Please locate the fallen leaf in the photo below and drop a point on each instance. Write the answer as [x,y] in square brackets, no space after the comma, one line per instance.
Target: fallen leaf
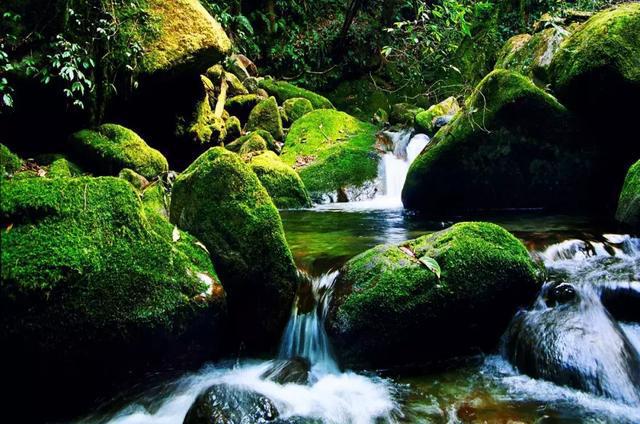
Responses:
[202,246]
[432,264]
[9,227]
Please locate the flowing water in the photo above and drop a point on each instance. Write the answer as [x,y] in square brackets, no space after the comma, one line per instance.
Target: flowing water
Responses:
[480,389]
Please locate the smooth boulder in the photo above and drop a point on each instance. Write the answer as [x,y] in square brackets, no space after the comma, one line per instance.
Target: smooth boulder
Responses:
[221,201]
[513,146]
[390,307]
[109,148]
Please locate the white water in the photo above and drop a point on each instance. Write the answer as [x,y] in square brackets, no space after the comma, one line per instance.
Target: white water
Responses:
[332,397]
[386,191]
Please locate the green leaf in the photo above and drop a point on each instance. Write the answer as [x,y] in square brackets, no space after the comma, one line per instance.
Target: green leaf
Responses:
[432,264]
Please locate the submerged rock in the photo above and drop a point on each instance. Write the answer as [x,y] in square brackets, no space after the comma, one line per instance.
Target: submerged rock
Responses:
[331,151]
[629,203]
[512,147]
[109,148]
[392,308]
[427,121]
[222,202]
[226,404]
[95,287]
[281,181]
[570,339]
[189,39]
[285,371]
[266,116]
[283,90]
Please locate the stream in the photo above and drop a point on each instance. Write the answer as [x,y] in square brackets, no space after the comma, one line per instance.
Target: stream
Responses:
[484,388]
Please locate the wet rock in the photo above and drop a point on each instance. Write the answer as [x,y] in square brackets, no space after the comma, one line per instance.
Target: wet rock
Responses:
[448,293]
[225,404]
[628,211]
[287,371]
[570,339]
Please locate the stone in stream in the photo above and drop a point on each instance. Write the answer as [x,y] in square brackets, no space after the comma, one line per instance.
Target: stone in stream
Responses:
[285,371]
[390,307]
[220,200]
[513,146]
[226,404]
[331,150]
[431,119]
[569,338]
[628,211]
[96,287]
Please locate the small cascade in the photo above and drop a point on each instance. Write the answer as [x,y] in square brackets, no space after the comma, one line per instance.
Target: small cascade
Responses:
[305,335]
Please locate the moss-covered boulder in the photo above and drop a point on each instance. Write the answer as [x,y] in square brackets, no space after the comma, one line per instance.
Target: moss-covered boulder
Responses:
[235,87]
[132,177]
[512,147]
[188,38]
[61,168]
[599,64]
[404,114]
[254,144]
[629,204]
[109,148]
[532,55]
[9,161]
[96,287]
[295,109]
[255,138]
[281,181]
[241,106]
[331,151]
[233,128]
[221,201]
[426,121]
[283,90]
[390,306]
[266,116]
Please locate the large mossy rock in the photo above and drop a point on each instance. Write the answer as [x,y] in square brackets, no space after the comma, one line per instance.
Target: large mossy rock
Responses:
[221,201]
[94,288]
[599,64]
[331,150]
[629,204]
[427,120]
[266,116]
[390,308]
[188,38]
[109,148]
[512,147]
[531,55]
[281,181]
[283,90]
[294,109]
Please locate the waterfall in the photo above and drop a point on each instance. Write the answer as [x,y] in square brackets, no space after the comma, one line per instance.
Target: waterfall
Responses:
[395,163]
[305,335]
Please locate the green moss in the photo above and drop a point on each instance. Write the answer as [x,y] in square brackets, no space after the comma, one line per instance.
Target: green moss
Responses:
[512,147]
[85,272]
[283,90]
[9,162]
[629,203]
[136,180]
[386,298]
[404,113]
[189,38]
[236,88]
[331,150]
[295,109]
[241,106]
[608,42]
[266,116]
[61,168]
[109,148]
[425,120]
[222,202]
[254,144]
[233,127]
[532,55]
[280,180]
